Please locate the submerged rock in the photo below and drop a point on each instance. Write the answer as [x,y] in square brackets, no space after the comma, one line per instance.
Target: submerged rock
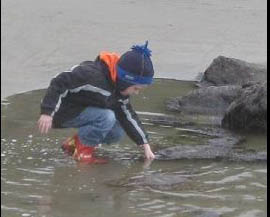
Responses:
[208,152]
[216,148]
[191,152]
[230,71]
[249,111]
[208,100]
[161,181]
[222,145]
[154,180]
[249,156]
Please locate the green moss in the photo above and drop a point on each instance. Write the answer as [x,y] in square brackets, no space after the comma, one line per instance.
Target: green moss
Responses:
[152,98]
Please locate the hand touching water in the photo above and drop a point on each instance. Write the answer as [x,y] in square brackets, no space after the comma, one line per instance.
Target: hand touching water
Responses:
[45,123]
[149,155]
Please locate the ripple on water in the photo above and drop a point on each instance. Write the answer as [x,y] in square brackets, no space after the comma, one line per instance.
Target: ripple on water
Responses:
[157,206]
[192,195]
[251,213]
[261,171]
[24,212]
[259,185]
[214,188]
[17,183]
[40,171]
[233,178]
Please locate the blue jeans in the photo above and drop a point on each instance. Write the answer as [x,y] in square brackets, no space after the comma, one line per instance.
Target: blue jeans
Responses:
[96,126]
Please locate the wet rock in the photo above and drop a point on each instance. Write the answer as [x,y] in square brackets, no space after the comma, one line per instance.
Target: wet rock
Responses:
[249,111]
[158,181]
[208,100]
[208,152]
[217,148]
[172,104]
[238,97]
[248,156]
[221,145]
[191,152]
[230,71]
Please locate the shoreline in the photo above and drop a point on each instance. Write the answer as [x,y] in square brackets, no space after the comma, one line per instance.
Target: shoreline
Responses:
[5,98]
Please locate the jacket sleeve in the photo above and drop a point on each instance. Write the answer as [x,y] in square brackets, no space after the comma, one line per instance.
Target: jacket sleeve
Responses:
[59,88]
[130,122]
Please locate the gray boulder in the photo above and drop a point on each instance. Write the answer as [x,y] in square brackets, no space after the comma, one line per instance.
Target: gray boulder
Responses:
[249,111]
[207,100]
[230,71]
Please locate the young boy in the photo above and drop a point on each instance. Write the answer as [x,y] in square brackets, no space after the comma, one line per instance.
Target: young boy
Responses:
[94,97]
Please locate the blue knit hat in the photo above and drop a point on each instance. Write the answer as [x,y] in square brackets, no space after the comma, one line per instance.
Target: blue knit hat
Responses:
[135,67]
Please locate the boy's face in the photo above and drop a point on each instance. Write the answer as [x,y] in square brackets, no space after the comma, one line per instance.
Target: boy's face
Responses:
[134,89]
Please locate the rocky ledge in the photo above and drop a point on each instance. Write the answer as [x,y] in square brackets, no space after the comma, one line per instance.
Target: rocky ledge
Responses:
[230,88]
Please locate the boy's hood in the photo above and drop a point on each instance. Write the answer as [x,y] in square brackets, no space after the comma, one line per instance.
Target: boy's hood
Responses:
[111,60]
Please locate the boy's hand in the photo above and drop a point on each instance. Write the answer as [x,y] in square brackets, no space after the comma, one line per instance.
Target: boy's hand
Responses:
[149,155]
[45,123]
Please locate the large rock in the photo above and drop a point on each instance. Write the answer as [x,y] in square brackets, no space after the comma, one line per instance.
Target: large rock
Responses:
[218,147]
[212,152]
[224,71]
[249,111]
[207,100]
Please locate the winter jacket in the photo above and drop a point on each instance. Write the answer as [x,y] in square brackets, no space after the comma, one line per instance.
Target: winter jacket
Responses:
[91,83]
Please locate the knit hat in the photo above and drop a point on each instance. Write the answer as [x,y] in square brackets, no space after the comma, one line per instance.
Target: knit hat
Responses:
[135,67]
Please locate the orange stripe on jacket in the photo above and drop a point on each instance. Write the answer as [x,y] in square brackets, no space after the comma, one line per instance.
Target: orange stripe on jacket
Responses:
[111,60]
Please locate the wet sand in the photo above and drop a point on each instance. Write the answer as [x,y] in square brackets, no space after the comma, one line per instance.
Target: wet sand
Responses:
[41,38]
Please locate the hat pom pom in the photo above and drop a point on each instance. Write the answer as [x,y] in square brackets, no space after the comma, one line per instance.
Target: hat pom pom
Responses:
[142,49]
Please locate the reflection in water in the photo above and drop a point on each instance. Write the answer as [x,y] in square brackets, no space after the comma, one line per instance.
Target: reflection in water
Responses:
[38,179]
[53,185]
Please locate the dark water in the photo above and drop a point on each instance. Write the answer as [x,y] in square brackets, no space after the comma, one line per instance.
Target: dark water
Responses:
[37,179]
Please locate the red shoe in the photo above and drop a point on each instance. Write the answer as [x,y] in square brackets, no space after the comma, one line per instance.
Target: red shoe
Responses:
[68,145]
[85,154]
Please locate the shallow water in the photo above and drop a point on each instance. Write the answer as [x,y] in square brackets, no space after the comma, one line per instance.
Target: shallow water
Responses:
[37,179]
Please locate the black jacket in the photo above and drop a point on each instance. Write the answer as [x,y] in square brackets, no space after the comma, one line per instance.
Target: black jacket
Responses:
[89,84]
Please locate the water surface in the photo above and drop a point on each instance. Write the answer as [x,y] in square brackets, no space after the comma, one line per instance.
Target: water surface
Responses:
[38,179]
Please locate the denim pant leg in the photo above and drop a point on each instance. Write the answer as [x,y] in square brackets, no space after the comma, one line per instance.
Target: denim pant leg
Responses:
[115,134]
[94,124]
